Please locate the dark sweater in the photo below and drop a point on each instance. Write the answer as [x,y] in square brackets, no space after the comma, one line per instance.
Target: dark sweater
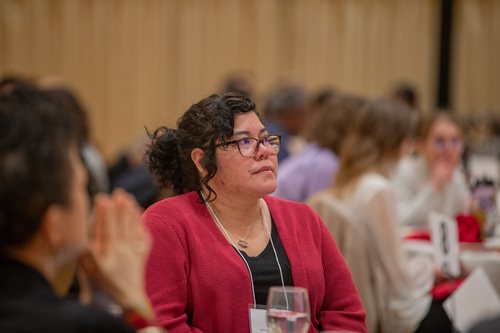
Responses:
[29,304]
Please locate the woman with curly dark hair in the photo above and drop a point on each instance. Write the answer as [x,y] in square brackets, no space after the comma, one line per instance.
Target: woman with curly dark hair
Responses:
[223,241]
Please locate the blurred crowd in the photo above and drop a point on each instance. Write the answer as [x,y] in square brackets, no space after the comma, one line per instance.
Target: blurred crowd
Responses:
[313,126]
[371,168]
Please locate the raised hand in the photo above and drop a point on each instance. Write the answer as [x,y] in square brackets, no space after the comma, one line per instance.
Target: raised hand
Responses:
[441,174]
[118,251]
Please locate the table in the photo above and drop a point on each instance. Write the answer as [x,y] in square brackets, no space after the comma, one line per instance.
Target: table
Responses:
[472,255]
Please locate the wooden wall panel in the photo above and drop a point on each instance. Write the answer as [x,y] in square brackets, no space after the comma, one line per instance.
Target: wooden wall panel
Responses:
[365,46]
[141,63]
[476,65]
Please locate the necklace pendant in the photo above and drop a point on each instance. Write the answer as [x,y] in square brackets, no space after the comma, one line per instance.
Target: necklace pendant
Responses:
[242,244]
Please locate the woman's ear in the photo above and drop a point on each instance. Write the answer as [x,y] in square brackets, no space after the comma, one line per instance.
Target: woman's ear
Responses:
[197,155]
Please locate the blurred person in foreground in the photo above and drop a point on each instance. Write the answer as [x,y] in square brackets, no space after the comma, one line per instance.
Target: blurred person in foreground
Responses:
[313,168]
[223,241]
[44,223]
[68,100]
[92,157]
[395,290]
[432,180]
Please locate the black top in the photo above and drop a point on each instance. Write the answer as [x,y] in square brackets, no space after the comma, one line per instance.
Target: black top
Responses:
[28,305]
[265,270]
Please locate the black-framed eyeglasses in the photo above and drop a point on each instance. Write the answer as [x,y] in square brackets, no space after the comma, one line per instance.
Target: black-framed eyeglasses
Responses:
[248,147]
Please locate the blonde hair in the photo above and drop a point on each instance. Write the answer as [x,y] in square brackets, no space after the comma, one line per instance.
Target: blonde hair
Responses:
[374,140]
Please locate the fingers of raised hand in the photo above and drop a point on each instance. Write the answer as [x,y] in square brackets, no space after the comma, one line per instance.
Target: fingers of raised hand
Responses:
[128,214]
[105,225]
[130,227]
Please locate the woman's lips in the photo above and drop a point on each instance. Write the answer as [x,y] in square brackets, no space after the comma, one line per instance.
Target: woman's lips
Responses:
[265,168]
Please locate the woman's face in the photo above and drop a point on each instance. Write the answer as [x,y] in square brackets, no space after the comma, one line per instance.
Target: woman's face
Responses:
[248,176]
[443,144]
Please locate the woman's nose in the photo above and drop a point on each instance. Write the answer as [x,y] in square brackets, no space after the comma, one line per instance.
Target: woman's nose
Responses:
[262,151]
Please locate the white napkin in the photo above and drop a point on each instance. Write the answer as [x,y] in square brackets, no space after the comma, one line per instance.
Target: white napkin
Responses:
[474,300]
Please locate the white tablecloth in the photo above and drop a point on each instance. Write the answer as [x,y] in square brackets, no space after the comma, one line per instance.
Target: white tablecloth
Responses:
[487,257]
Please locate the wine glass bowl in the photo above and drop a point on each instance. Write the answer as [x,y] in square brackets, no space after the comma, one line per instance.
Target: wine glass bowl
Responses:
[288,310]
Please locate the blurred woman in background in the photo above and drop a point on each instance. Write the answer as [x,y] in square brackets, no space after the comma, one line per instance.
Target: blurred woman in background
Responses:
[394,290]
[313,168]
[431,180]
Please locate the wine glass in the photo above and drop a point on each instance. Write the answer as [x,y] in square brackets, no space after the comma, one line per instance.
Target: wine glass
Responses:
[288,310]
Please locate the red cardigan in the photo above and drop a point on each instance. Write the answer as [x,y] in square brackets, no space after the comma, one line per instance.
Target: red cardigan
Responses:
[198,283]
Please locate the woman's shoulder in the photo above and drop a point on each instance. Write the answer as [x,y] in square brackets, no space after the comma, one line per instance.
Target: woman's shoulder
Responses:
[411,164]
[374,182]
[185,207]
[186,199]
[321,197]
[370,186]
[328,205]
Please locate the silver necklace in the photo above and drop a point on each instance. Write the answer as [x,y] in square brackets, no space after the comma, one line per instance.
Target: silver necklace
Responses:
[242,243]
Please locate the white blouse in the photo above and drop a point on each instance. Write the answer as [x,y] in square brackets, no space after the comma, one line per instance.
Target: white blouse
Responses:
[394,289]
[417,197]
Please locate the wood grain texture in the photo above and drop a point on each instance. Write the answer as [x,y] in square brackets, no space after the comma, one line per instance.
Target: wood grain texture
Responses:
[142,63]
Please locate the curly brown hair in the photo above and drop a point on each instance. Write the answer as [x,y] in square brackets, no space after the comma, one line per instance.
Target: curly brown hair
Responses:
[203,125]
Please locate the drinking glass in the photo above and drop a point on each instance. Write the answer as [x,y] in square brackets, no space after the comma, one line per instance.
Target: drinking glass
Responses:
[288,310]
